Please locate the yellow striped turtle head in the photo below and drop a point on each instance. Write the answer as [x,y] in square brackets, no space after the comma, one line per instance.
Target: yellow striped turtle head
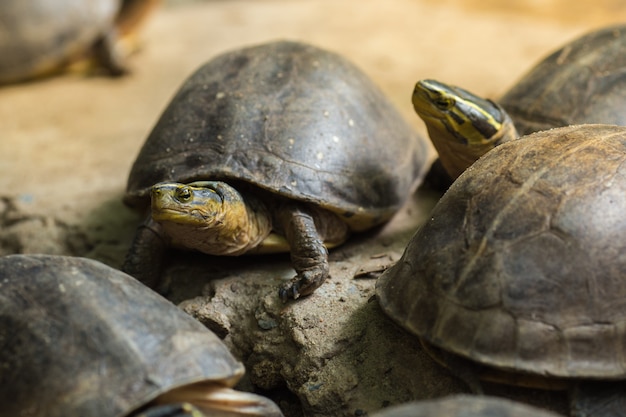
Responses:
[461,125]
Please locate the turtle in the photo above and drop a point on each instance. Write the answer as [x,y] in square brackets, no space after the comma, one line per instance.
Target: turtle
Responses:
[582,82]
[462,405]
[518,275]
[39,38]
[80,338]
[272,147]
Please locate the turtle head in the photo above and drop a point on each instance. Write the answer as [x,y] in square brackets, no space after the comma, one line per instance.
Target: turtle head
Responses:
[208,216]
[461,125]
[470,119]
[199,203]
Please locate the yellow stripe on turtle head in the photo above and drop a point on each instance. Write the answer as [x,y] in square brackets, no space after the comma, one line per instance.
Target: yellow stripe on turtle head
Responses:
[461,125]
[468,118]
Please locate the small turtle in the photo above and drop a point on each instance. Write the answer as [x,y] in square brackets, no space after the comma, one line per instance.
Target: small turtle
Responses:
[582,82]
[518,276]
[463,406]
[39,37]
[79,338]
[276,147]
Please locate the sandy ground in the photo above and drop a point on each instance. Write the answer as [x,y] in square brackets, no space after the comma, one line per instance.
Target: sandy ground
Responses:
[67,143]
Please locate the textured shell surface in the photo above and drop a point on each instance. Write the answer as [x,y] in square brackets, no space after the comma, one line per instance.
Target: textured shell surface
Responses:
[522,263]
[582,82]
[292,119]
[80,338]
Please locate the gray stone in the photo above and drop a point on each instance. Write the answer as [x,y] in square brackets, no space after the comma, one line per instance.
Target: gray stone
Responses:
[335,349]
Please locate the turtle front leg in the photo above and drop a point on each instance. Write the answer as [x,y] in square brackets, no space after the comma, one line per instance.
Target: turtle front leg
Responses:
[108,54]
[306,231]
[144,259]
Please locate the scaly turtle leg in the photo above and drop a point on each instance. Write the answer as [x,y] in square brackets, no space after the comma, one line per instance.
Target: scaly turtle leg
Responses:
[308,231]
[145,256]
[111,51]
[108,54]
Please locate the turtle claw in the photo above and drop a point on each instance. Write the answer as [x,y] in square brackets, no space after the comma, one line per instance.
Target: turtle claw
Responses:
[172,410]
[290,291]
[303,284]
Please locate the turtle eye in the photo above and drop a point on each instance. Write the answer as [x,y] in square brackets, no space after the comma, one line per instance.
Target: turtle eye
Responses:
[183,194]
[443,103]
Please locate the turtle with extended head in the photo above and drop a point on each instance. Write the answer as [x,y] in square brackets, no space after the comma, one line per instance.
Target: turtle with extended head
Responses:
[281,146]
[582,82]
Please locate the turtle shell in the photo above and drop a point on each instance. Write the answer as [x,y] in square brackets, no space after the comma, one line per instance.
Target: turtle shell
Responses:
[292,119]
[522,264]
[39,36]
[464,406]
[582,82]
[79,338]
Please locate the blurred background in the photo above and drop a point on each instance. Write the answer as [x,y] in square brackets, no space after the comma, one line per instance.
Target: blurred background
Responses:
[67,141]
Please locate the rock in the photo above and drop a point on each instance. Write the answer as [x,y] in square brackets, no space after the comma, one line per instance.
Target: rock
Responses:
[333,353]
[335,350]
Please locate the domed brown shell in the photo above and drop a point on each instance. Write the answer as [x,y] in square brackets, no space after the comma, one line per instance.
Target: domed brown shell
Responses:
[292,119]
[522,265]
[582,82]
[463,406]
[79,338]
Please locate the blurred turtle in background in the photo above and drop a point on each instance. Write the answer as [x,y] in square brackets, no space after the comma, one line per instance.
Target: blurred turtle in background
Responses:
[42,37]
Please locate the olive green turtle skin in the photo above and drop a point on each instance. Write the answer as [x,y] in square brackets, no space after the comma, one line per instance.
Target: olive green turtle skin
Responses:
[300,131]
[461,125]
[582,82]
[40,37]
[520,270]
[82,339]
[463,406]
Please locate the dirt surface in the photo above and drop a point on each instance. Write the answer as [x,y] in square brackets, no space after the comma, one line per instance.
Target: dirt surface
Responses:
[67,144]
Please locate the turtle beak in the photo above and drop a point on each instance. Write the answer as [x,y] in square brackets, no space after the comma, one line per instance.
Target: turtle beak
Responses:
[184,203]
[160,192]
[163,201]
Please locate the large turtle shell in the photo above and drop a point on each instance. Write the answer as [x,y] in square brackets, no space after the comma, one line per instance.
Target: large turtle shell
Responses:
[292,119]
[582,82]
[463,406]
[78,338]
[522,265]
